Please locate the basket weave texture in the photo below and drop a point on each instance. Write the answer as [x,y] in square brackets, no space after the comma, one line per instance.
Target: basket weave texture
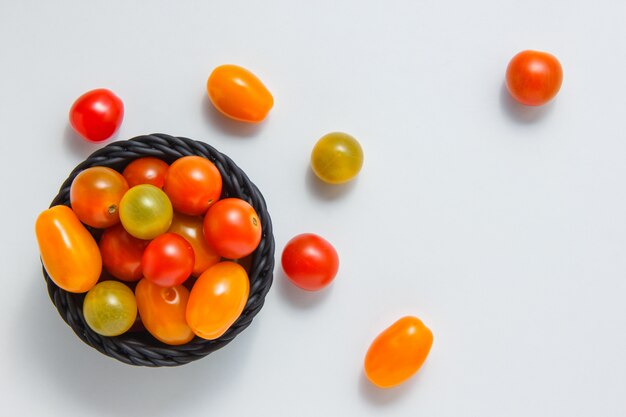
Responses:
[140,348]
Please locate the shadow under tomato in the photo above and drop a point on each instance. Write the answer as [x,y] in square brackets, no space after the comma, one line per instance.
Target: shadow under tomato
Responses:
[226,125]
[325,191]
[80,375]
[383,396]
[298,297]
[82,147]
[519,112]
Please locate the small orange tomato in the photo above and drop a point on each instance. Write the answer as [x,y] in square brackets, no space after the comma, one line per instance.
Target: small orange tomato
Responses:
[533,78]
[68,251]
[193,184]
[147,170]
[95,196]
[239,94]
[190,227]
[162,311]
[217,299]
[398,352]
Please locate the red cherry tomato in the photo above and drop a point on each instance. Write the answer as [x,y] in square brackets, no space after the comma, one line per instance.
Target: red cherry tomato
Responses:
[193,184]
[146,170]
[162,311]
[121,253]
[190,227]
[95,196]
[533,78]
[398,352]
[168,260]
[217,299]
[232,227]
[97,114]
[310,262]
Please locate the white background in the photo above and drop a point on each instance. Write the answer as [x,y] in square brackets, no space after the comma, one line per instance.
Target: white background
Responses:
[503,228]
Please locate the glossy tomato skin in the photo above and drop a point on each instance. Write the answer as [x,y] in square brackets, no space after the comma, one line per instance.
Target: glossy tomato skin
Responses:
[232,227]
[190,227]
[337,158]
[122,253]
[162,311]
[310,262]
[147,170]
[533,78]
[217,299]
[97,114]
[193,184]
[398,352]
[95,196]
[68,251]
[168,260]
[145,211]
[239,94]
[110,308]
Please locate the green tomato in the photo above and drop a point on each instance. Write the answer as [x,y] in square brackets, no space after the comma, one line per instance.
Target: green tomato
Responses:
[145,211]
[337,158]
[110,308]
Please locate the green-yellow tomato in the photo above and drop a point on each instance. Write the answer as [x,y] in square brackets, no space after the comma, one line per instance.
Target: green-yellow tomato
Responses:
[110,308]
[337,158]
[146,212]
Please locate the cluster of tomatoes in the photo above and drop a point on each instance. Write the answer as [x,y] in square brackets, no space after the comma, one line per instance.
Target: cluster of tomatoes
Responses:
[165,232]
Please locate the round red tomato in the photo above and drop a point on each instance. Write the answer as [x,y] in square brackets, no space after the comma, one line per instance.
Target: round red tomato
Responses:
[97,114]
[146,170]
[232,227]
[121,253]
[193,184]
[533,78]
[310,262]
[168,260]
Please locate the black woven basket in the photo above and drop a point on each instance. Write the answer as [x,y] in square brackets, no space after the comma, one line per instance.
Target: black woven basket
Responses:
[140,348]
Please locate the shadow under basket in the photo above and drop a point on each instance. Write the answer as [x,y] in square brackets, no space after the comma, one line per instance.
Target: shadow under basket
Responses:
[140,348]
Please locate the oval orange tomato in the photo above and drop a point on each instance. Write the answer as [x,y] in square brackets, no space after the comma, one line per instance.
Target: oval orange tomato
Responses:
[217,299]
[239,94]
[68,251]
[398,352]
[95,196]
[162,311]
[190,227]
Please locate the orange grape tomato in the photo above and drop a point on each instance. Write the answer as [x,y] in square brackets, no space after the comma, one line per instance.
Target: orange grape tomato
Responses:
[69,252]
[217,299]
[95,196]
[533,78]
[232,227]
[398,352]
[239,94]
[162,311]
[110,308]
[121,253]
[193,184]
[147,170]
[190,227]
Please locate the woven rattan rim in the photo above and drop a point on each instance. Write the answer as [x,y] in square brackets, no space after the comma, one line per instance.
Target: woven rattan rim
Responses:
[140,348]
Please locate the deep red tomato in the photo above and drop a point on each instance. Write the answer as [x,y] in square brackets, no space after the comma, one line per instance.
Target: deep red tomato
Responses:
[310,262]
[232,227]
[121,253]
[168,260]
[97,114]
[193,184]
[95,196]
[146,170]
[533,78]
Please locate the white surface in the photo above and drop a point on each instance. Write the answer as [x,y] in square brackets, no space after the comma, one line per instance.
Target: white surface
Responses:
[503,228]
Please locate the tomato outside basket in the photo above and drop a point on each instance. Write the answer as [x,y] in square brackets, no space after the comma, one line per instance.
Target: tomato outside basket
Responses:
[140,348]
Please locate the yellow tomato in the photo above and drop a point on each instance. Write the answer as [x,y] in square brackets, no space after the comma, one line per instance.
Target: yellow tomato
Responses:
[68,251]
[110,308]
[146,211]
[337,158]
